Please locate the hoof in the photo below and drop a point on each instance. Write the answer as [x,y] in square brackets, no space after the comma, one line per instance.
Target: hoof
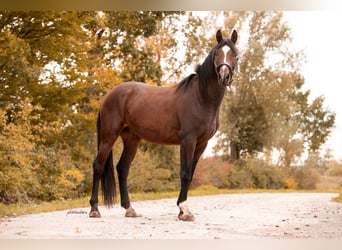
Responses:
[186,217]
[94,214]
[130,212]
[184,213]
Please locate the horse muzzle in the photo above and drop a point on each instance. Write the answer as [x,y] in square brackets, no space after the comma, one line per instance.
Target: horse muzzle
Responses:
[224,74]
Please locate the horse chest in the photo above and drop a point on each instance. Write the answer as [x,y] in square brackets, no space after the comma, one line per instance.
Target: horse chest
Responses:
[209,129]
[202,127]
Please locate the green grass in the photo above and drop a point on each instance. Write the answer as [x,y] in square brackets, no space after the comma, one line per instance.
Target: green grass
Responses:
[21,208]
[338,198]
[28,208]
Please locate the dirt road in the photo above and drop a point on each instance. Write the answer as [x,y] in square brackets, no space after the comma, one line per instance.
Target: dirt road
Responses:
[233,216]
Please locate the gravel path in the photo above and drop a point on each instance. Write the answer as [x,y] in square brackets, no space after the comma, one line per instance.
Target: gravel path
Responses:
[231,216]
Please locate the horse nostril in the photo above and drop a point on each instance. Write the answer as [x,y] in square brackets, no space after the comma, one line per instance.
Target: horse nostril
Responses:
[227,78]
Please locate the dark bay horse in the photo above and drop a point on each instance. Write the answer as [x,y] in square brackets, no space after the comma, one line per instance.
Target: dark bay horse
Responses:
[186,114]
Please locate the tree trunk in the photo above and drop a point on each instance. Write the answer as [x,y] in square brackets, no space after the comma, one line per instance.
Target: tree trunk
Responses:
[234,151]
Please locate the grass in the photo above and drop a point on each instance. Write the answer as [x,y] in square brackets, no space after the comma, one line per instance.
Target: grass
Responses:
[21,208]
[338,198]
[28,208]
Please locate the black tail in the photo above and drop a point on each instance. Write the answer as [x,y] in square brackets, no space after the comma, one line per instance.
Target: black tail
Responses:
[108,178]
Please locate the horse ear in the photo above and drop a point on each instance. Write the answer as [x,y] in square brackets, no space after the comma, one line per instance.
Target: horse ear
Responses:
[219,36]
[234,36]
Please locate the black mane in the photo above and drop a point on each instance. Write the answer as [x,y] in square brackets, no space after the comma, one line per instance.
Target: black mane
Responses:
[186,82]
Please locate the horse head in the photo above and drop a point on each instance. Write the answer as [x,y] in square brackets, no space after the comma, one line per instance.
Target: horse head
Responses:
[225,58]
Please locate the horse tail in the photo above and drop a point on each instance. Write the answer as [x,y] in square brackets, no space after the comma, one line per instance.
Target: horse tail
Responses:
[107,179]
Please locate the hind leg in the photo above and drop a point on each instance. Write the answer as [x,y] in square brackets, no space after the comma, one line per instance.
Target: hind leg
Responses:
[131,142]
[98,170]
[107,135]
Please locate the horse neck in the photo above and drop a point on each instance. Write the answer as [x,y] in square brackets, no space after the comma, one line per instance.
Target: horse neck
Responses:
[210,90]
[212,94]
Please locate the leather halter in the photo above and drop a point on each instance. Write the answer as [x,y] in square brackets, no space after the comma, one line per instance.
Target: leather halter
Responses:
[231,72]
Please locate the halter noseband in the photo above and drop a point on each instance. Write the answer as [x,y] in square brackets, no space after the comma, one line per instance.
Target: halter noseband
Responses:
[231,72]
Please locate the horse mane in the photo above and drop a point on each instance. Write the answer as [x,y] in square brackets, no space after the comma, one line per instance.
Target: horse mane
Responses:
[186,82]
[206,70]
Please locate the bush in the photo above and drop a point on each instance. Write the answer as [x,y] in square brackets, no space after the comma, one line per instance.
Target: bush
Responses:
[290,183]
[334,169]
[146,175]
[338,198]
[307,178]
[255,173]
[211,171]
[240,177]
[31,169]
[16,162]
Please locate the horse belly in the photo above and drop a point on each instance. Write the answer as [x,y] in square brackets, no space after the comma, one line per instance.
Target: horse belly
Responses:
[157,131]
[154,122]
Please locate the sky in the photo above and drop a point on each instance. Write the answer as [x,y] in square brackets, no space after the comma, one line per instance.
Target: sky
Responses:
[319,34]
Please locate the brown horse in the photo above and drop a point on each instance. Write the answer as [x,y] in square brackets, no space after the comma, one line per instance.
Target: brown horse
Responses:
[186,114]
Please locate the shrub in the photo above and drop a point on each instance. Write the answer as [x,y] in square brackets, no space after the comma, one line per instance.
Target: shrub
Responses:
[338,198]
[290,183]
[146,175]
[334,169]
[307,178]
[240,178]
[255,173]
[211,171]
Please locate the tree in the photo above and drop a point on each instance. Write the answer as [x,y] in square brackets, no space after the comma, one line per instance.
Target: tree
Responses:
[55,66]
[317,122]
[268,108]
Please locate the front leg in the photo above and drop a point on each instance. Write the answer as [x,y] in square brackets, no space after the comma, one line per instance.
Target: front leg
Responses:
[187,154]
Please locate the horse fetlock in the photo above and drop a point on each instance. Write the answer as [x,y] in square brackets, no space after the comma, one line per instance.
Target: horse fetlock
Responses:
[94,214]
[130,212]
[184,213]
[186,217]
